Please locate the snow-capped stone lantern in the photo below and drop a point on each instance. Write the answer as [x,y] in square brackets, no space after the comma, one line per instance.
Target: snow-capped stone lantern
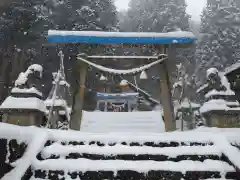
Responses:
[24,106]
[221,108]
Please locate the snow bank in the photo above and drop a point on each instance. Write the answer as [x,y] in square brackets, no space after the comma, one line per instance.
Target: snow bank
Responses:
[34,137]
[21,134]
[228,150]
[202,134]
[34,147]
[30,103]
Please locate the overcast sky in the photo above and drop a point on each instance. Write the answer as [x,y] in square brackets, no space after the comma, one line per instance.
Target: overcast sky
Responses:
[194,7]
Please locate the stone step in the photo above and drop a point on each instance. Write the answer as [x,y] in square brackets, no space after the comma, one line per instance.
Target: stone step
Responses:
[86,169]
[133,153]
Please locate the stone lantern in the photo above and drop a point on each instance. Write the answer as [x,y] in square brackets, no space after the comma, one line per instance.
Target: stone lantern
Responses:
[25,106]
[221,108]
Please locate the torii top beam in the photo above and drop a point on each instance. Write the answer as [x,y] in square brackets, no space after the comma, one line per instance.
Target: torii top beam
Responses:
[116,38]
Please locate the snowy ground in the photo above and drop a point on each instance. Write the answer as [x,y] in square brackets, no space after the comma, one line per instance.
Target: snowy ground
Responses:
[150,122]
[36,139]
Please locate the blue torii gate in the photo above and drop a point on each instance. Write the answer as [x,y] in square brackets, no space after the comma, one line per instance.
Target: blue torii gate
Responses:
[162,42]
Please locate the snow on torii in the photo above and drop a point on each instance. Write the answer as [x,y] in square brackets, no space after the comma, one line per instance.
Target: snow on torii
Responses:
[163,42]
[99,37]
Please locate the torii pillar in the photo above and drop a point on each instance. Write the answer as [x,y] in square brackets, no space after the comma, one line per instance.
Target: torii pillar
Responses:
[165,92]
[77,112]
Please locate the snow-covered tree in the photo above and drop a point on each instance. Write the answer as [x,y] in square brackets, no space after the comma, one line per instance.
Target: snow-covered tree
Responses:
[16,17]
[160,16]
[156,16]
[24,25]
[220,42]
[83,15]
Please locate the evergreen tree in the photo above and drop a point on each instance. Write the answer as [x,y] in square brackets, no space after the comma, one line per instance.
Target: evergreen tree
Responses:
[16,18]
[83,15]
[24,27]
[157,16]
[161,16]
[220,43]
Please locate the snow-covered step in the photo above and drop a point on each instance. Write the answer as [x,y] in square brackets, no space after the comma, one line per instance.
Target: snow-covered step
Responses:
[118,169]
[139,143]
[59,150]
[132,162]
[84,165]
[121,156]
[133,139]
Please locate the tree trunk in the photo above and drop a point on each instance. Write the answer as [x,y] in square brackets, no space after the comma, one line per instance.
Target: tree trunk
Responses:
[3,74]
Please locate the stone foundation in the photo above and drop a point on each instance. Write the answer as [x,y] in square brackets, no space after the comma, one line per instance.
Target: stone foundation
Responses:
[23,119]
[223,120]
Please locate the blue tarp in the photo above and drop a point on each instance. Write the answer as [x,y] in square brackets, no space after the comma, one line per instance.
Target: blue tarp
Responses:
[120,38]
